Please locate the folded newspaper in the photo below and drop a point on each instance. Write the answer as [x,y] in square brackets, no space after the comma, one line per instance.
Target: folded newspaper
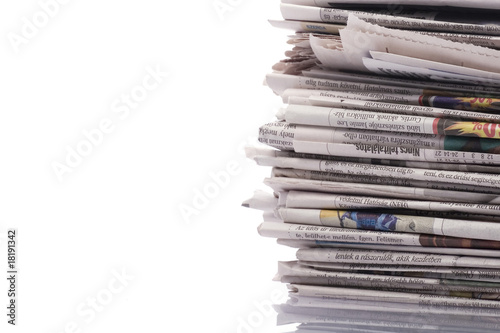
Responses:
[384,166]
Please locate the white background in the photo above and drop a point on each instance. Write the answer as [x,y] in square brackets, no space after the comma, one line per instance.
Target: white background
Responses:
[118,210]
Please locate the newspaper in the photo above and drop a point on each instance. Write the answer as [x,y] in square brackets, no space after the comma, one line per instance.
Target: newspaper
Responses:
[393,69]
[281,135]
[341,54]
[475,180]
[395,284]
[385,121]
[462,89]
[253,151]
[255,202]
[372,220]
[426,23]
[450,215]
[296,187]
[379,151]
[280,82]
[416,105]
[354,256]
[448,273]
[459,72]
[474,39]
[409,309]
[317,200]
[331,54]
[330,234]
[330,28]
[389,296]
[408,43]
[367,179]
[293,271]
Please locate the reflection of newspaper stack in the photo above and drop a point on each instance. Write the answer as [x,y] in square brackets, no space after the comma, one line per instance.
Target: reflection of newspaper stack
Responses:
[385,166]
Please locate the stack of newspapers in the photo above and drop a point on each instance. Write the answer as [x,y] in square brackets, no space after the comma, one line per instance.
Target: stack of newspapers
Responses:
[386,165]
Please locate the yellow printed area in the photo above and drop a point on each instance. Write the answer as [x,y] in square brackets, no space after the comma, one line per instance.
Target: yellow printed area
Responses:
[481,103]
[329,215]
[482,130]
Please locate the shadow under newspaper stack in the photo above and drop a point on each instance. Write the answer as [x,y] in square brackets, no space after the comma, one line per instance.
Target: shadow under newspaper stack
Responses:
[385,166]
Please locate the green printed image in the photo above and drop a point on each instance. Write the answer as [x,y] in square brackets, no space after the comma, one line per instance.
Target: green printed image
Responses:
[480,145]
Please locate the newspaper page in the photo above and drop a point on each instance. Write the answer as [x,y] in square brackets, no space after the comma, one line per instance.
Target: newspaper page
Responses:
[366,179]
[281,135]
[391,307]
[294,271]
[389,296]
[412,44]
[364,169]
[398,284]
[253,151]
[385,121]
[393,69]
[448,273]
[321,72]
[317,200]
[330,28]
[407,44]
[379,151]
[372,220]
[280,82]
[450,107]
[294,186]
[474,39]
[375,257]
[470,74]
[423,21]
[364,144]
[339,57]
[330,234]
